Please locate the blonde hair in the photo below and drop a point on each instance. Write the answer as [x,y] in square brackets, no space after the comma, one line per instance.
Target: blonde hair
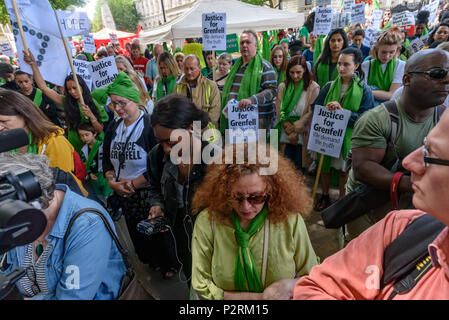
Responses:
[144,97]
[171,63]
[389,38]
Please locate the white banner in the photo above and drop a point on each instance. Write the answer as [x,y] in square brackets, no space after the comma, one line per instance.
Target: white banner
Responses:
[328,131]
[323,20]
[6,49]
[358,13]
[43,39]
[82,70]
[371,36]
[415,46]
[376,18]
[347,5]
[214,31]
[432,8]
[103,72]
[320,3]
[113,37]
[89,44]
[341,20]
[243,123]
[402,19]
[73,22]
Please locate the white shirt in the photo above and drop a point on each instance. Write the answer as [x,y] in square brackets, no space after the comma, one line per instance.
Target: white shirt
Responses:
[397,74]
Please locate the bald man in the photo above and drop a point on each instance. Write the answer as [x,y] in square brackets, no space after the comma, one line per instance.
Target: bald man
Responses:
[426,85]
[203,92]
[152,72]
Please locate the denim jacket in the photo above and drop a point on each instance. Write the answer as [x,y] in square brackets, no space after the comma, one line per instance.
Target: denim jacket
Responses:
[91,266]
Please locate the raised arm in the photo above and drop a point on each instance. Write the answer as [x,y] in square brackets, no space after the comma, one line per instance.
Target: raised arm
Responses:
[53,95]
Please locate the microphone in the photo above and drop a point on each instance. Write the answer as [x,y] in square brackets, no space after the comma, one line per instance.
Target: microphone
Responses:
[13,139]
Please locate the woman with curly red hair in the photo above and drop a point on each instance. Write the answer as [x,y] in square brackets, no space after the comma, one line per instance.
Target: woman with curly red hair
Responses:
[250,240]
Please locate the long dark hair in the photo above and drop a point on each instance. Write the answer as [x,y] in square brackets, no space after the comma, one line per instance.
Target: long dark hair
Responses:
[72,113]
[310,22]
[298,61]
[177,112]
[16,104]
[325,56]
[431,40]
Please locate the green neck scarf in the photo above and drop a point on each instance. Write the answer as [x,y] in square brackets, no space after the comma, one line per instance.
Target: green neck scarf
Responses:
[249,86]
[266,46]
[351,101]
[291,95]
[169,82]
[246,277]
[37,98]
[280,76]
[93,152]
[318,47]
[323,74]
[32,148]
[381,80]
[426,31]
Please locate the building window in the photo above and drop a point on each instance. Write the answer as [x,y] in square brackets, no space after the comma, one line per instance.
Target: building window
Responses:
[308,2]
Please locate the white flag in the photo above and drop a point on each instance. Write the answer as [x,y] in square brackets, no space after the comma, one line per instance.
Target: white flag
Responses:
[43,39]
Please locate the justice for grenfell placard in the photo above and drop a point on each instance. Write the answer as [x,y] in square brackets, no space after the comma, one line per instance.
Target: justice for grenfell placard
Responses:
[214,31]
[328,131]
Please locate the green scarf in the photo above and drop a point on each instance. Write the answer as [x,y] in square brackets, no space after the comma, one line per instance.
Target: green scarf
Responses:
[170,82]
[249,86]
[37,98]
[32,148]
[318,47]
[426,31]
[351,101]
[280,76]
[378,78]
[93,152]
[323,74]
[266,46]
[246,277]
[291,95]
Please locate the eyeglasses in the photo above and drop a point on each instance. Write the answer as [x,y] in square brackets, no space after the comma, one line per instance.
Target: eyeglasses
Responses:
[428,160]
[253,199]
[434,73]
[121,104]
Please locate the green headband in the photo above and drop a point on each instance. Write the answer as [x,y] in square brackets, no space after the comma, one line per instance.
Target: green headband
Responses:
[122,86]
[284,41]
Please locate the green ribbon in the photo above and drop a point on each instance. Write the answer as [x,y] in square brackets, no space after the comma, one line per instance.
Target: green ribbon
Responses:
[249,86]
[171,83]
[323,74]
[290,97]
[380,79]
[246,277]
[351,101]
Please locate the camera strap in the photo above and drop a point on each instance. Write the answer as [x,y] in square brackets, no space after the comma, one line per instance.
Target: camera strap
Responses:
[121,156]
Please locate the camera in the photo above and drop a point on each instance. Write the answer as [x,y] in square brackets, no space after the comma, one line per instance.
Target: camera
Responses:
[152,226]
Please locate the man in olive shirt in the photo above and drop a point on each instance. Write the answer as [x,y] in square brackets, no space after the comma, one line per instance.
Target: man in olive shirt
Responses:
[373,157]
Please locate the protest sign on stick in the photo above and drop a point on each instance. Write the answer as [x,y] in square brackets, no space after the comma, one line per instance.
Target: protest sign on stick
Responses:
[113,37]
[19,22]
[347,5]
[376,18]
[6,49]
[103,72]
[323,20]
[214,31]
[73,22]
[327,134]
[89,44]
[371,36]
[82,70]
[405,20]
[358,13]
[341,20]
[243,122]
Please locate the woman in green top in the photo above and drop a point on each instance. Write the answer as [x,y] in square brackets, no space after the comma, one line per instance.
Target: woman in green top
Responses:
[325,68]
[250,240]
[75,113]
[168,76]
[306,29]
[348,92]
[279,62]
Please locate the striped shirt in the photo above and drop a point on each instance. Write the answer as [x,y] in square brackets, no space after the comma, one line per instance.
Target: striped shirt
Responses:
[263,99]
[34,282]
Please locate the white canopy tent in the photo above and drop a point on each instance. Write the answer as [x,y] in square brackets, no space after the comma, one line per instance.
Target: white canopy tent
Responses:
[240,16]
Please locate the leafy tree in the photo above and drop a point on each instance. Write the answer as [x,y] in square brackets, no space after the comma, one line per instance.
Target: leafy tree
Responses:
[56,4]
[124,13]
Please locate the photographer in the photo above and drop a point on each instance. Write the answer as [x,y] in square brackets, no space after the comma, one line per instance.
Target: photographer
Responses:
[127,141]
[86,266]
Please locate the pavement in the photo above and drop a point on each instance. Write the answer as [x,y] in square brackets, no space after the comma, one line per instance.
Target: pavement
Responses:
[324,242]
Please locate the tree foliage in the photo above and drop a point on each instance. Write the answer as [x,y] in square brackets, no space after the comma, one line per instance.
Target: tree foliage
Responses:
[56,4]
[124,13]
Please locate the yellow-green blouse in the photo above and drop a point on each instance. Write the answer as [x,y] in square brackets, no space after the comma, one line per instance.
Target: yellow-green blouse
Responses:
[290,254]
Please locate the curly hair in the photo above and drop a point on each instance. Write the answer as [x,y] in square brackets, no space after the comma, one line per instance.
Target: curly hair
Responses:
[287,193]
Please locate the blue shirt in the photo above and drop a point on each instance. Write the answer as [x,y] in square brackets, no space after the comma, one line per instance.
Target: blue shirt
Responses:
[91,268]
[152,71]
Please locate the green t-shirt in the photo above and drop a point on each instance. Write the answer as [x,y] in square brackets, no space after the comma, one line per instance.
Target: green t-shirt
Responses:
[373,129]
[303,32]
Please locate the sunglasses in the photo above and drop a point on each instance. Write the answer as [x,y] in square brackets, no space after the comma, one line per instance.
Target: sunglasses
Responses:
[434,73]
[253,199]
[428,160]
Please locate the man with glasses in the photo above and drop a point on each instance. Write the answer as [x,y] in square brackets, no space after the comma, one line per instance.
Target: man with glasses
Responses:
[375,152]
